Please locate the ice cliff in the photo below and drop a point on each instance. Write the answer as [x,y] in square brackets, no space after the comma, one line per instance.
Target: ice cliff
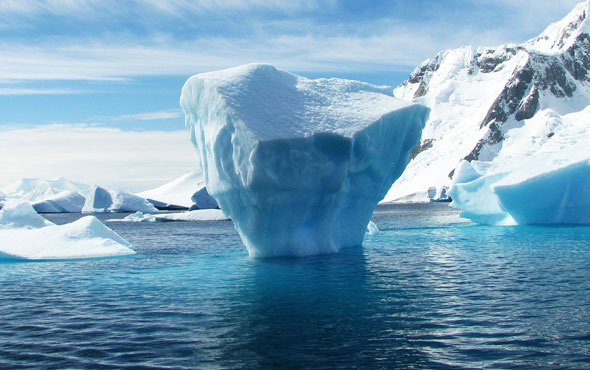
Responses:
[500,107]
[297,164]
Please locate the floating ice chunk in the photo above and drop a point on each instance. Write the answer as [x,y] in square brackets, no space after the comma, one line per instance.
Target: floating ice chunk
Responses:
[372,228]
[100,199]
[197,215]
[298,164]
[138,217]
[66,201]
[26,235]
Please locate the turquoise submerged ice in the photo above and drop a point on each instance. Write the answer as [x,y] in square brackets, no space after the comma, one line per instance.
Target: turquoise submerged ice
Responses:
[299,165]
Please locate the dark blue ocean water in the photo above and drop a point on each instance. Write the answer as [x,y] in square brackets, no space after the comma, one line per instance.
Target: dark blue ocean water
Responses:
[430,291]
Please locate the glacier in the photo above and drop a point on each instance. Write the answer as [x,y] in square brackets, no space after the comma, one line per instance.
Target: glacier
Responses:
[298,164]
[25,235]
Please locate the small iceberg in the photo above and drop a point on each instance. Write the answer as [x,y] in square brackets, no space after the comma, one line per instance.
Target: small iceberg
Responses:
[25,235]
[542,190]
[102,200]
[372,228]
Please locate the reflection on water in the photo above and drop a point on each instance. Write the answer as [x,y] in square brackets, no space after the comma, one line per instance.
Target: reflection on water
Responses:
[429,291]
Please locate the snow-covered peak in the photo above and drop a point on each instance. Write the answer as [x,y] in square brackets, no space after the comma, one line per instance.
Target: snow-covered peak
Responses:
[561,35]
[478,95]
[305,106]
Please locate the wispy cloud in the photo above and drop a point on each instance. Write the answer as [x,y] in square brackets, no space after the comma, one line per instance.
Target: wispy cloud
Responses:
[186,37]
[149,116]
[25,91]
[110,157]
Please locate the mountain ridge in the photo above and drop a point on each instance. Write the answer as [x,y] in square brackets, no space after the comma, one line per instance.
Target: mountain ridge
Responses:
[478,95]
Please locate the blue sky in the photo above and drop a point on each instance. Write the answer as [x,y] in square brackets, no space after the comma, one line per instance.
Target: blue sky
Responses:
[121,64]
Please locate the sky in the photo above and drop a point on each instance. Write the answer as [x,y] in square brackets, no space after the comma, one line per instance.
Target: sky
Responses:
[89,89]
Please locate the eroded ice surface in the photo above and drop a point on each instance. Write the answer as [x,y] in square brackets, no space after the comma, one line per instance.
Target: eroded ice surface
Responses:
[298,164]
[24,234]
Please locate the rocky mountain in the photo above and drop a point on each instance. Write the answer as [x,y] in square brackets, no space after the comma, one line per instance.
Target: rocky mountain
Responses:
[489,103]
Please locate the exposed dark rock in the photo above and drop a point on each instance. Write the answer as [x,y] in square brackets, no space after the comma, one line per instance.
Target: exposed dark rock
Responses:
[424,145]
[509,99]
[528,107]
[489,60]
[577,58]
[554,76]
[493,136]
[422,74]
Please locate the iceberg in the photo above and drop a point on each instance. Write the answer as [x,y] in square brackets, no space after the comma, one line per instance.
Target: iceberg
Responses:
[298,164]
[544,189]
[202,200]
[102,200]
[65,202]
[25,235]
[556,197]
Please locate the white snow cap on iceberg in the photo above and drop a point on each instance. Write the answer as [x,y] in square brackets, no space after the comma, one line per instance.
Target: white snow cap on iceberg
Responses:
[298,164]
[26,235]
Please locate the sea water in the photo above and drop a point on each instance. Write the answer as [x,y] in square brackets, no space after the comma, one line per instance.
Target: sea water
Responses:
[430,290]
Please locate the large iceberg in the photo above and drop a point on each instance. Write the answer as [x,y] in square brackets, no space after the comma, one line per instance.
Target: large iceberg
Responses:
[24,234]
[298,164]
